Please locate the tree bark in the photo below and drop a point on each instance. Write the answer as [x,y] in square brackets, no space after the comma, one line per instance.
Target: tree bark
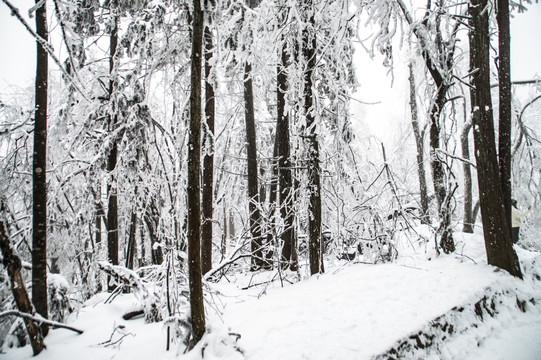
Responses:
[315,243]
[194,178]
[419,143]
[498,241]
[253,189]
[132,245]
[258,260]
[208,159]
[504,81]
[438,170]
[39,174]
[18,288]
[284,165]
[112,208]
[469,220]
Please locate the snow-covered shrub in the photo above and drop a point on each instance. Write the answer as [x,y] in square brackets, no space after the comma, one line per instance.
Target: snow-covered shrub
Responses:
[59,305]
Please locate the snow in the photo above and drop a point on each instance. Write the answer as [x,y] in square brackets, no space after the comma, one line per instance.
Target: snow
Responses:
[354,311]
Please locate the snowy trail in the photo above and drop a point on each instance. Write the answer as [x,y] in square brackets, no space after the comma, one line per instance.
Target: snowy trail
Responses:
[355,314]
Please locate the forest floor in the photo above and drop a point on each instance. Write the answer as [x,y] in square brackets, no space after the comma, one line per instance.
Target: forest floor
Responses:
[420,306]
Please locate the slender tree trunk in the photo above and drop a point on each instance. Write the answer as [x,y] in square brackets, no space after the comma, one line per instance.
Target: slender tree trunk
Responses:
[438,171]
[194,179]
[208,159]
[112,208]
[498,241]
[469,220]
[419,142]
[314,184]
[13,266]
[132,245]
[253,189]
[284,164]
[504,82]
[258,260]
[39,175]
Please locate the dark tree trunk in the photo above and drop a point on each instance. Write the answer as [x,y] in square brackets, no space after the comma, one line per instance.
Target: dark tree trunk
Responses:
[419,143]
[132,245]
[39,174]
[112,208]
[504,82]
[314,185]
[13,266]
[208,159]
[469,220]
[284,165]
[253,189]
[194,179]
[258,260]
[498,241]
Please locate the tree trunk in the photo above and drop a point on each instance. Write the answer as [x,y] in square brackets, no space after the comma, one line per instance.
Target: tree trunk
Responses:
[253,189]
[469,220]
[504,82]
[112,208]
[419,142]
[284,164]
[194,179]
[13,266]
[498,241]
[208,159]
[132,245]
[39,174]
[438,170]
[315,244]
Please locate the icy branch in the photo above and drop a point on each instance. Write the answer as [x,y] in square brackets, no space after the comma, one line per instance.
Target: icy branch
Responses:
[38,319]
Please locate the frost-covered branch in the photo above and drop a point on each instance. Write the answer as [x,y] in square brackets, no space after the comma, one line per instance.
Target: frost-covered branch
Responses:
[44,43]
[39,320]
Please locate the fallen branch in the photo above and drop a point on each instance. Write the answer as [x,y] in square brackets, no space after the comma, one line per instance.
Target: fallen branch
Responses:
[130,315]
[38,319]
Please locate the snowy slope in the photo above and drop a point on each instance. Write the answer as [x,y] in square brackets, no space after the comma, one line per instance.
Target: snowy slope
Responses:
[354,311]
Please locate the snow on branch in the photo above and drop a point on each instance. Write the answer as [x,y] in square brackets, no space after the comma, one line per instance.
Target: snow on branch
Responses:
[130,278]
[44,43]
[38,319]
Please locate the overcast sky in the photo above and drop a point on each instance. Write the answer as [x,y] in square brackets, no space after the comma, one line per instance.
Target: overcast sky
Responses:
[17,48]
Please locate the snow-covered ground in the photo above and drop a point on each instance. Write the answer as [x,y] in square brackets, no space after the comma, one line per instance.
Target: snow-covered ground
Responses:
[354,311]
